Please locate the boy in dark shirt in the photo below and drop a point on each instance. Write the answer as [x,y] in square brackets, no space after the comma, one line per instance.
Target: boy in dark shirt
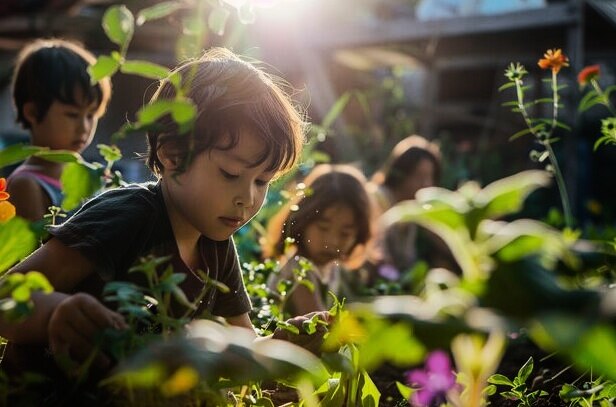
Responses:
[212,180]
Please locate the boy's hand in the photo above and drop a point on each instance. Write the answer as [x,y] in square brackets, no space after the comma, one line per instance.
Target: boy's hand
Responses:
[311,342]
[74,324]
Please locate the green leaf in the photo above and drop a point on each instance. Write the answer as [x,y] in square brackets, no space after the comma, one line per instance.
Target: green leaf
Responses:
[590,99]
[520,133]
[405,391]
[59,156]
[145,68]
[16,153]
[159,10]
[119,25]
[500,379]
[507,195]
[335,110]
[105,66]
[18,241]
[79,182]
[182,111]
[369,393]
[111,154]
[526,370]
[506,86]
[217,20]
[520,247]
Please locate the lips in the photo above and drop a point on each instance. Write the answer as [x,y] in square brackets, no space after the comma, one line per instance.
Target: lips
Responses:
[232,222]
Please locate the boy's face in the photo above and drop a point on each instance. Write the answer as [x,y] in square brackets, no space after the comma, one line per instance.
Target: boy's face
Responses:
[220,191]
[65,126]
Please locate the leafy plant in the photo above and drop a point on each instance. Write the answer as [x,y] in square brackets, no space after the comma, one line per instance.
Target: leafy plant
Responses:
[518,388]
[597,392]
[540,127]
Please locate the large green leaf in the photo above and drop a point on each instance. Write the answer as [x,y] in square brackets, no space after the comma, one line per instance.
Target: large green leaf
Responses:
[145,69]
[159,10]
[59,156]
[369,393]
[507,195]
[18,241]
[119,25]
[105,66]
[16,153]
[79,182]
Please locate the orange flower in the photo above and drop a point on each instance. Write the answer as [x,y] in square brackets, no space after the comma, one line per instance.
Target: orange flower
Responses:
[553,59]
[3,194]
[7,211]
[587,74]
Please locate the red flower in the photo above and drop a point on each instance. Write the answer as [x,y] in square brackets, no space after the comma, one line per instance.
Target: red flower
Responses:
[587,74]
[553,59]
[3,194]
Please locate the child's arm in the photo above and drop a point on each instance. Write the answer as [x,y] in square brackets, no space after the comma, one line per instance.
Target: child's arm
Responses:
[30,201]
[67,322]
[304,300]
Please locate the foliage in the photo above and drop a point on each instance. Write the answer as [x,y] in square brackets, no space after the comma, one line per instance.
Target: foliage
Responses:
[596,392]
[542,128]
[518,388]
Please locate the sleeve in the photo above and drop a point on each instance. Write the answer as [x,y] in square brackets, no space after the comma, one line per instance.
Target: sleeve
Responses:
[236,301]
[108,230]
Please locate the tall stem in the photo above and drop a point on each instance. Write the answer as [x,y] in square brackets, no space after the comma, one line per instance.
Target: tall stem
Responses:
[560,181]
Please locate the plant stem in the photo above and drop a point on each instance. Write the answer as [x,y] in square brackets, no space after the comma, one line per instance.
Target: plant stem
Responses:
[605,100]
[560,181]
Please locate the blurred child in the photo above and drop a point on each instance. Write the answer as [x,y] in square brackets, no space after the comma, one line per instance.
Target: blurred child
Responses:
[211,181]
[58,105]
[326,222]
[414,163]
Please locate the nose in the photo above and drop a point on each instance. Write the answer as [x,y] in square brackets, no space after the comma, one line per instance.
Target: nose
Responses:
[84,124]
[245,197]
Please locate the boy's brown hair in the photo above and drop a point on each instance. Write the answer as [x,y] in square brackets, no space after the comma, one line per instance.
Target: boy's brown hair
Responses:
[49,70]
[231,96]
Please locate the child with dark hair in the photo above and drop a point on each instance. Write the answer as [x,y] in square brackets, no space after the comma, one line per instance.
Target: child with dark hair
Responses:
[326,222]
[60,107]
[413,164]
[212,179]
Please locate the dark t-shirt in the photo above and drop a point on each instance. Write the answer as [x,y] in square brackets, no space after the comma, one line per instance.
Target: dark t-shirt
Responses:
[118,228]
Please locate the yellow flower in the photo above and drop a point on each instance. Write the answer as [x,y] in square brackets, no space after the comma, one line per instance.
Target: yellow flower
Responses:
[553,59]
[347,329]
[183,380]
[476,359]
[7,211]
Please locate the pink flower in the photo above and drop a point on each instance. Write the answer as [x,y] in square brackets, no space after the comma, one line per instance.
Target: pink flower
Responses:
[433,382]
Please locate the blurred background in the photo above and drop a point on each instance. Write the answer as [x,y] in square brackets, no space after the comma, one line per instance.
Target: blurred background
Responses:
[431,67]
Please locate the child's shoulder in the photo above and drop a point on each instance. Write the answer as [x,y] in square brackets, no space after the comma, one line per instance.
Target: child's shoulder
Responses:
[134,199]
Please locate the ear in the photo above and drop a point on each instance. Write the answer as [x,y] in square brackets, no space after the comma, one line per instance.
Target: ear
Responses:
[30,113]
[168,156]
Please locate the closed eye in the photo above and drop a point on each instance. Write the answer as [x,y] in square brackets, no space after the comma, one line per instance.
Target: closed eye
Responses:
[262,183]
[228,175]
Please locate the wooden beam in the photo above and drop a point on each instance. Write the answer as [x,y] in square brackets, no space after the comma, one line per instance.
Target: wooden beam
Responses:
[409,29]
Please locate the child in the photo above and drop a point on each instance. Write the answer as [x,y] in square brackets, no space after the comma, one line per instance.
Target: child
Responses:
[57,103]
[414,163]
[211,181]
[327,223]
